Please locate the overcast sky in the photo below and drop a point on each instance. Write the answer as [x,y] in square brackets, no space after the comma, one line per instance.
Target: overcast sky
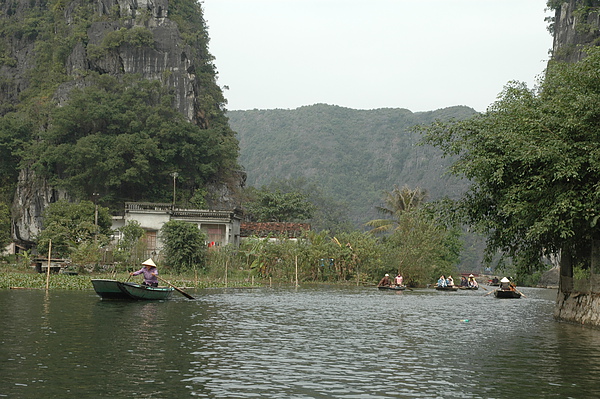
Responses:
[365,54]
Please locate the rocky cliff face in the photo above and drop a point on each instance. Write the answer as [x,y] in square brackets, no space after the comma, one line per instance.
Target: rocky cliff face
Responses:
[576,25]
[170,59]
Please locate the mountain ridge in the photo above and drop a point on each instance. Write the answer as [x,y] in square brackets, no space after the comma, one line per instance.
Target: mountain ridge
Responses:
[353,155]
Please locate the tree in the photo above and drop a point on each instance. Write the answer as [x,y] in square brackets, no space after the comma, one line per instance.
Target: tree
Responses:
[184,246]
[124,139]
[328,214]
[534,161]
[275,206]
[130,243]
[72,224]
[397,202]
[4,225]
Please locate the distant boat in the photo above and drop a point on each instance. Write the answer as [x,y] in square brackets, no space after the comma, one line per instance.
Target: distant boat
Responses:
[507,294]
[392,287]
[113,289]
[446,288]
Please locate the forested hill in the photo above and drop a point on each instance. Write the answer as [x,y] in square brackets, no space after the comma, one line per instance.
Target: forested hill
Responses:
[352,155]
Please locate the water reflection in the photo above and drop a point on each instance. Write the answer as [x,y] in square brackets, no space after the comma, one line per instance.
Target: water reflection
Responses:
[322,342]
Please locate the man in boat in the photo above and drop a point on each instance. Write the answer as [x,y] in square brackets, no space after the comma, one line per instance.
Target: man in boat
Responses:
[463,281]
[399,280]
[506,285]
[150,273]
[385,281]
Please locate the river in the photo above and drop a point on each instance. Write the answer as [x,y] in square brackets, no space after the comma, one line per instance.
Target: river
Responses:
[305,342]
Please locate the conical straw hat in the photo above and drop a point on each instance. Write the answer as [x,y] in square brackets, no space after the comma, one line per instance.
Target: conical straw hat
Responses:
[149,262]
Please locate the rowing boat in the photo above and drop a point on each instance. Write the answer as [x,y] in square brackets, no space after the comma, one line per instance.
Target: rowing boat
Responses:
[392,287]
[109,289]
[468,288]
[113,289]
[139,291]
[507,294]
[446,288]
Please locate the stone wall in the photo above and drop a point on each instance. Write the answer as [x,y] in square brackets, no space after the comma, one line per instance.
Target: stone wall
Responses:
[577,307]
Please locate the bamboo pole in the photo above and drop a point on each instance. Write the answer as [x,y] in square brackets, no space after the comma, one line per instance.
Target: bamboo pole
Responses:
[297,270]
[48,270]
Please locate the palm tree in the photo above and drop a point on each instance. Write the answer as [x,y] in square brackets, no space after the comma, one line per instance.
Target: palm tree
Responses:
[397,202]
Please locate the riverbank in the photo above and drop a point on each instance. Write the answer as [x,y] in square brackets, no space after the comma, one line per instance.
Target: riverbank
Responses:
[30,280]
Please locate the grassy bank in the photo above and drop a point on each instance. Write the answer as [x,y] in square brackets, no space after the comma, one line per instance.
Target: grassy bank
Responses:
[33,280]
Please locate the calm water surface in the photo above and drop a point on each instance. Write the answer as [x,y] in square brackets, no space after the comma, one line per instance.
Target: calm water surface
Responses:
[307,342]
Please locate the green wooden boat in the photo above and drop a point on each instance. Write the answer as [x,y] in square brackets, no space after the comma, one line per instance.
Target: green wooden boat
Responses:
[109,289]
[113,289]
[140,291]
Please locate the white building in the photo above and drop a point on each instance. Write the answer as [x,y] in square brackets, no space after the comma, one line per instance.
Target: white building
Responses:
[221,227]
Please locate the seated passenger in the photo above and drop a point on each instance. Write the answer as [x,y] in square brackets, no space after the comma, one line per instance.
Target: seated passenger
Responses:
[442,281]
[399,280]
[472,282]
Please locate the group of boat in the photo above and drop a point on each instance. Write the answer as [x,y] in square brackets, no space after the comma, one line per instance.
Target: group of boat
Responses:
[113,289]
[506,289]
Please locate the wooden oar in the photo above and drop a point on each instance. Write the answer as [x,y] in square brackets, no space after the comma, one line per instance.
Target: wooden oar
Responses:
[523,295]
[483,287]
[182,292]
[489,293]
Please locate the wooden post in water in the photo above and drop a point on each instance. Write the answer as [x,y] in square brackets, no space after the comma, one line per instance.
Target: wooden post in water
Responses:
[296,270]
[48,270]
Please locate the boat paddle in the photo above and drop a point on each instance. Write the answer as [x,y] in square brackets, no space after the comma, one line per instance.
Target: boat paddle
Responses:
[519,292]
[490,292]
[182,292]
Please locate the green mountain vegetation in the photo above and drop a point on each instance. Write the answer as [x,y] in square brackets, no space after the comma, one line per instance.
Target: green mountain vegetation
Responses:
[352,156]
[75,115]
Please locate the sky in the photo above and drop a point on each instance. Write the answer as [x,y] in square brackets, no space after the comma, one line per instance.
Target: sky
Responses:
[421,55]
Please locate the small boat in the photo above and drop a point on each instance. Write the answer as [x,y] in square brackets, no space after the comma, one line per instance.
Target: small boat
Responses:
[469,288]
[507,294]
[139,291]
[109,289]
[113,289]
[392,287]
[446,288]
